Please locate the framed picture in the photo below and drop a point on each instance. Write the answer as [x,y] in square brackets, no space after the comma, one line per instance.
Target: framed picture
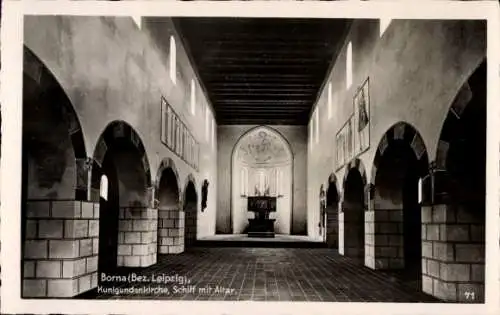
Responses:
[344,143]
[361,104]
[176,136]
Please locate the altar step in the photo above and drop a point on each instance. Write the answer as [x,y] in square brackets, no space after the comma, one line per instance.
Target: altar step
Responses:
[259,242]
[265,244]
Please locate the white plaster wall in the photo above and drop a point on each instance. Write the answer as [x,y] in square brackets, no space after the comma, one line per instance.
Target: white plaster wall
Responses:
[415,70]
[112,70]
[228,137]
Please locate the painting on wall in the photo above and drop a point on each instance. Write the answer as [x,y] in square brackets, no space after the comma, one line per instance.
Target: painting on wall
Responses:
[176,136]
[344,143]
[362,118]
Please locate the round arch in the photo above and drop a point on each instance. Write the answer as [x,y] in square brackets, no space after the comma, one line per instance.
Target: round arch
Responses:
[48,111]
[400,163]
[168,201]
[54,161]
[355,164]
[453,126]
[404,133]
[120,155]
[118,131]
[262,163]
[331,211]
[459,174]
[352,216]
[190,179]
[166,163]
[190,202]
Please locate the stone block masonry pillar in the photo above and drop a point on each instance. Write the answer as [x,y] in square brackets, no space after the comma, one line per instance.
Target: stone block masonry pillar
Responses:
[137,237]
[60,249]
[332,224]
[351,237]
[384,239]
[341,233]
[453,254]
[170,230]
[453,243]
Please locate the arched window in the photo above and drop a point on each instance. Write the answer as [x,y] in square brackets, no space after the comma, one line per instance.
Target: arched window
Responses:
[317,125]
[384,24]
[173,60]
[278,182]
[193,97]
[244,181]
[349,65]
[207,123]
[330,100]
[104,187]
[311,135]
[213,132]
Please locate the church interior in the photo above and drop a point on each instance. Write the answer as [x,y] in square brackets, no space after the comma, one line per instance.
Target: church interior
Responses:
[265,159]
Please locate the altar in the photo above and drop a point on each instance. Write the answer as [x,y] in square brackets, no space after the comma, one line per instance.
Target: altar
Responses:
[261,225]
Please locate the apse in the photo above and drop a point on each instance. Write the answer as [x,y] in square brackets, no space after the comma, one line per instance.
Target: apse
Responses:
[262,166]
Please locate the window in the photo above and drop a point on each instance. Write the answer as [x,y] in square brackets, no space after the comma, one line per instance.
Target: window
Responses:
[193,97]
[384,24]
[316,124]
[311,129]
[213,132]
[349,65]
[244,181]
[173,60]
[278,182]
[330,100]
[165,124]
[207,123]
[104,187]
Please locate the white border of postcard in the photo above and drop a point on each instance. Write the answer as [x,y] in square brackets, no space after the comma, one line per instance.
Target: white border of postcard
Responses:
[11,100]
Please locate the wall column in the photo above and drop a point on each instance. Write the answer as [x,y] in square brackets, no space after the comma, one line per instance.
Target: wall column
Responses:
[137,236]
[383,234]
[170,230]
[452,245]
[61,248]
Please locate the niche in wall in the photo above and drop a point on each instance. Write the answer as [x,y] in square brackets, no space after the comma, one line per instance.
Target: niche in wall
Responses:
[262,166]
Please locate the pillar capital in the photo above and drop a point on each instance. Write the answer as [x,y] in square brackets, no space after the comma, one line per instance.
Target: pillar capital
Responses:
[436,186]
[369,196]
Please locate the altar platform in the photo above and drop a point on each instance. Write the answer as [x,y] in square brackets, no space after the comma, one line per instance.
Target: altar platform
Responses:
[242,240]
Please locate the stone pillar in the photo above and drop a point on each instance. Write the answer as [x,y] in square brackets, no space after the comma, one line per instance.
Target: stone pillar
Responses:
[341,233]
[61,248]
[384,239]
[453,247]
[170,230]
[331,226]
[353,240]
[190,224]
[137,236]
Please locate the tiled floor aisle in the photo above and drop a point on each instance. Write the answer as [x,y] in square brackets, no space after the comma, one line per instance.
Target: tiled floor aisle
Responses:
[278,274]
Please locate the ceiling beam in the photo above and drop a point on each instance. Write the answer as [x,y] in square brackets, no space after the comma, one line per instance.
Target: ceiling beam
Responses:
[262,94]
[246,90]
[261,101]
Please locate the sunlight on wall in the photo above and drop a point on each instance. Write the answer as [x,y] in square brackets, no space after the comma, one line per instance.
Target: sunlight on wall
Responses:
[173,60]
[349,66]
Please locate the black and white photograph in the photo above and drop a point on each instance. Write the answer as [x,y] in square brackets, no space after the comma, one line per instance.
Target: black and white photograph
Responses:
[252,158]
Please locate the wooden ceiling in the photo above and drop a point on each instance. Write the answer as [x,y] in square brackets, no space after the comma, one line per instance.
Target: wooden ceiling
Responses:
[262,70]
